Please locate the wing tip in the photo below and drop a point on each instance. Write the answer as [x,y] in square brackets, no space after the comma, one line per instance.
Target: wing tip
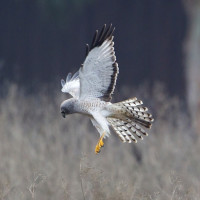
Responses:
[99,38]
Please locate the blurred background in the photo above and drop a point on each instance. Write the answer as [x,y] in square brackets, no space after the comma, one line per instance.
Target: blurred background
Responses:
[42,40]
[157,45]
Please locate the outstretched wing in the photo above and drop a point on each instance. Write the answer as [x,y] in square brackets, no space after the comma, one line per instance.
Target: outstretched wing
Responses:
[98,74]
[72,85]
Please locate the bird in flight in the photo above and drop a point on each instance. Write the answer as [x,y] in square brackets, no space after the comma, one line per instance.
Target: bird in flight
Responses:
[92,87]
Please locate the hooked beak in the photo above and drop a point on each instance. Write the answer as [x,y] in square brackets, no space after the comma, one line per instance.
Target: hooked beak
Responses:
[63,114]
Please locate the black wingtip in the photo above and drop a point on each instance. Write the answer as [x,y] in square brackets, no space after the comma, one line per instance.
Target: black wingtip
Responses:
[94,39]
[87,49]
[113,30]
[102,32]
[99,38]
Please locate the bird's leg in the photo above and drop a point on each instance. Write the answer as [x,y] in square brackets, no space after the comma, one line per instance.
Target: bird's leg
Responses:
[100,143]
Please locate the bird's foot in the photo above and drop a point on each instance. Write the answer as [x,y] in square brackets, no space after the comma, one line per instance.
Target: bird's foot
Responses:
[100,144]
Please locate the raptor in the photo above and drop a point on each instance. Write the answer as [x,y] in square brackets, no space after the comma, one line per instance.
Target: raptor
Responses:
[92,87]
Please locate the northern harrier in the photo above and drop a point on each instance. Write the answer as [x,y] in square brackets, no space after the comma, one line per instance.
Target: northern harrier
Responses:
[92,87]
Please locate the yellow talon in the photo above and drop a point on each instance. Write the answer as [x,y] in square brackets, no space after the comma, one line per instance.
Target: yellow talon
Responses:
[97,149]
[100,144]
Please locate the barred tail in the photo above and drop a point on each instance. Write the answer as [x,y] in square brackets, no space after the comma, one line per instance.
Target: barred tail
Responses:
[129,128]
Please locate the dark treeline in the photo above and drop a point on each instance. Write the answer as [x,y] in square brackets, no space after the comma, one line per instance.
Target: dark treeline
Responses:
[42,40]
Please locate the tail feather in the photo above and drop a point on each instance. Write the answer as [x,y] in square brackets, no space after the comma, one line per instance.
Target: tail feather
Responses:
[142,114]
[122,130]
[136,126]
[143,122]
[139,109]
[139,113]
[135,116]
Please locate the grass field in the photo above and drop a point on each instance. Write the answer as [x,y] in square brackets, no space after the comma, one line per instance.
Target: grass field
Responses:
[43,156]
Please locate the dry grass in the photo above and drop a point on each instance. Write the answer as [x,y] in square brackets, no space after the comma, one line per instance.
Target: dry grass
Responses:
[43,156]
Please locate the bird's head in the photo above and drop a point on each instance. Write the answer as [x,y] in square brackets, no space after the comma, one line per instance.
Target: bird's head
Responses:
[67,107]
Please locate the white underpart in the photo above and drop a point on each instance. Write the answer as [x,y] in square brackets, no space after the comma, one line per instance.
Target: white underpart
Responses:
[101,123]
